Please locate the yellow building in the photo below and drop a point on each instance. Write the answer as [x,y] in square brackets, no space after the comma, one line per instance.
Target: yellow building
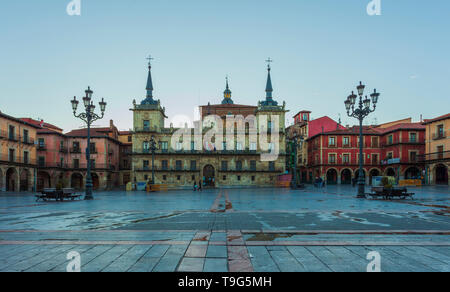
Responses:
[242,156]
[437,151]
[17,154]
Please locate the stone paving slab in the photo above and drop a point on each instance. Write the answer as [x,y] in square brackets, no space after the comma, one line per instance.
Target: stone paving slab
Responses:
[215,265]
[217,251]
[171,259]
[191,265]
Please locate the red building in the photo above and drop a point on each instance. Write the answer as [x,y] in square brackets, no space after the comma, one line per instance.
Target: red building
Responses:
[390,151]
[307,128]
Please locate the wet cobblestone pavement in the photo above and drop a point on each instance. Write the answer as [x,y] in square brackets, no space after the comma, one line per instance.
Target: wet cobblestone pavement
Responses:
[227,230]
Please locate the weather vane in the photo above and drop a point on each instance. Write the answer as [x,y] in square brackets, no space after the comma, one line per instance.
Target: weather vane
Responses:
[269,60]
[150,60]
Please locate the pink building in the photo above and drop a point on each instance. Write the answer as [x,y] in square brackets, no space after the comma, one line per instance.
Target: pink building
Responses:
[61,158]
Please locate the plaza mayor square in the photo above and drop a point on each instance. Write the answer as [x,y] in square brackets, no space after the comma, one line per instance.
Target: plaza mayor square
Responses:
[229,142]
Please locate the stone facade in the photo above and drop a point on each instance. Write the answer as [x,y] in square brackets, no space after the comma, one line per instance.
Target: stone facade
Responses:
[437,156]
[17,154]
[181,162]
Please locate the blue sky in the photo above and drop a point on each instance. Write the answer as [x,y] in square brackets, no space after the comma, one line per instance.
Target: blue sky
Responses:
[321,50]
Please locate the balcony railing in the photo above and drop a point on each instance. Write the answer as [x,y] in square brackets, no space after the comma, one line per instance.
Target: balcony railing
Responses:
[75,150]
[27,140]
[63,149]
[204,152]
[438,136]
[42,147]
[437,156]
[94,166]
[52,165]
[16,160]
[12,137]
[149,129]
[168,169]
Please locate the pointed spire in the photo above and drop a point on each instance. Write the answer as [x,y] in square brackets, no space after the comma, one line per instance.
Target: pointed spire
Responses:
[227,94]
[149,97]
[149,87]
[269,89]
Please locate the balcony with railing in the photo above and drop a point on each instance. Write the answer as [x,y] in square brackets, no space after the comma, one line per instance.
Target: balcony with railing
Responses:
[203,152]
[44,164]
[27,140]
[94,166]
[439,136]
[7,159]
[12,137]
[75,150]
[165,169]
[41,147]
[149,129]
[434,157]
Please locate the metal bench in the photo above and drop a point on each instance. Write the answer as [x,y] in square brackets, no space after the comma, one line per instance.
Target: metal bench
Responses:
[390,193]
[57,195]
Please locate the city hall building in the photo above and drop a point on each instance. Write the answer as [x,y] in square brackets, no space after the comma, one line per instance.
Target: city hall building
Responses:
[228,160]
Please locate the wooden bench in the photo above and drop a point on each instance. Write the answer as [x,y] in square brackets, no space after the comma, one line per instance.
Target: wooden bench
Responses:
[390,193]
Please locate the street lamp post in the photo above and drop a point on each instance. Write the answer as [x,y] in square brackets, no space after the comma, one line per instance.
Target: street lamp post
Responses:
[294,144]
[361,111]
[88,117]
[153,148]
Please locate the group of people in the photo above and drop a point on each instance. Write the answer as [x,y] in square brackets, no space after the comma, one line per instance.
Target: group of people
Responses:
[198,187]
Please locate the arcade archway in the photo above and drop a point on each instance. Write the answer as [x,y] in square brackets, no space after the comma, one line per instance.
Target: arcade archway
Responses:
[390,172]
[95,181]
[24,179]
[441,174]
[209,176]
[346,177]
[43,180]
[76,181]
[11,180]
[373,173]
[332,176]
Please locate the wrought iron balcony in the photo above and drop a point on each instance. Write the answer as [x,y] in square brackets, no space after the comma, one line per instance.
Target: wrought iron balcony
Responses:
[438,136]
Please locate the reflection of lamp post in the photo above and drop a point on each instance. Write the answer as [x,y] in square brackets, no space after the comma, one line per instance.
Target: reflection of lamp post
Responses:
[88,117]
[362,110]
[153,148]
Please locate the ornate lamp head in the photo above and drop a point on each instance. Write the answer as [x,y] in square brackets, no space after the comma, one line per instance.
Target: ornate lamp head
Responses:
[75,103]
[361,88]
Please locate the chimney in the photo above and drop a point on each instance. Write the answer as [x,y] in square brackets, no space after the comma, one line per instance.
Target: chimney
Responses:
[111,124]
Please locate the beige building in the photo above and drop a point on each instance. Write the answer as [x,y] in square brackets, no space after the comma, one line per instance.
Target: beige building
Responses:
[230,160]
[17,154]
[437,150]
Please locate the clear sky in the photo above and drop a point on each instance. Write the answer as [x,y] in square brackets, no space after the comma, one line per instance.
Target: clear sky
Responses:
[321,50]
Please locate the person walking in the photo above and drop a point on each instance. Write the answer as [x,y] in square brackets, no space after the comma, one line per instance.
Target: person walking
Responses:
[200,188]
[195,186]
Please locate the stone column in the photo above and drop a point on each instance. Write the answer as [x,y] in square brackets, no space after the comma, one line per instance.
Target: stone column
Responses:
[17,182]
[3,182]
